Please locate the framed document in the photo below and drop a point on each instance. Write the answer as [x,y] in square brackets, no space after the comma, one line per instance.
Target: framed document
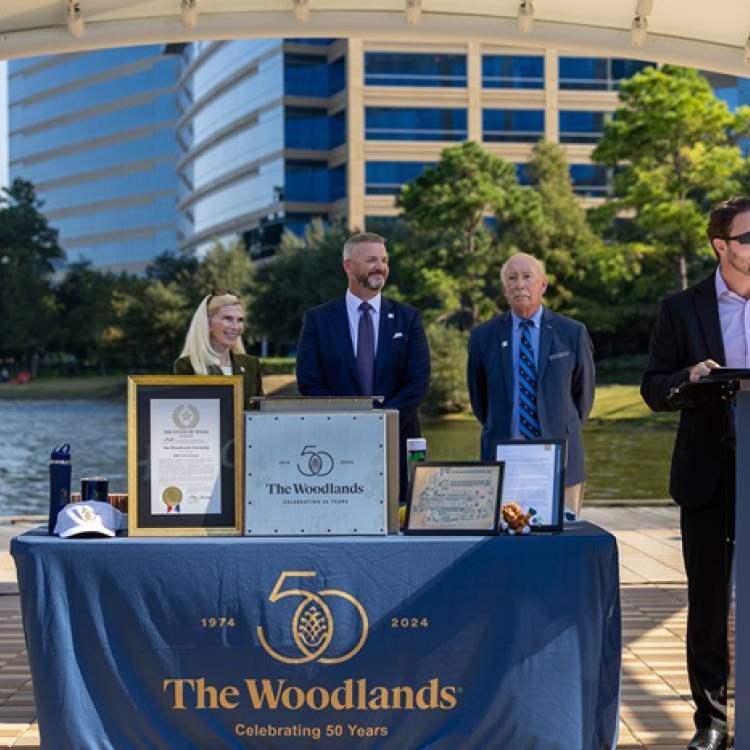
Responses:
[535,479]
[184,455]
[454,498]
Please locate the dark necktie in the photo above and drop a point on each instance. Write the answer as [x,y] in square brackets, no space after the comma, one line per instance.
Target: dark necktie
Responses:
[365,349]
[528,418]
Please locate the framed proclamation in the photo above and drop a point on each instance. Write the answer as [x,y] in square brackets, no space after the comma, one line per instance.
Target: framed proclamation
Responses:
[535,479]
[184,455]
[454,498]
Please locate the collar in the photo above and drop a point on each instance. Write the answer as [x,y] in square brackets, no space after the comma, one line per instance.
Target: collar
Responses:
[353,302]
[536,318]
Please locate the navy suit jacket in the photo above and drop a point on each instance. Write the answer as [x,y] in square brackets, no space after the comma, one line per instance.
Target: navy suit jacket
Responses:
[565,377]
[326,365]
[688,331]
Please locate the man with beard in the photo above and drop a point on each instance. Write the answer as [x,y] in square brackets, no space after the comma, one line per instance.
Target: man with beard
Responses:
[698,330]
[364,344]
[531,372]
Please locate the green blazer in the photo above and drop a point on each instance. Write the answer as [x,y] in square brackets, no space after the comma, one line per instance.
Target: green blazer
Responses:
[242,364]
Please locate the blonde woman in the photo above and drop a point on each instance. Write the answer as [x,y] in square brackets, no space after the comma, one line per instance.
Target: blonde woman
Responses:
[213,345]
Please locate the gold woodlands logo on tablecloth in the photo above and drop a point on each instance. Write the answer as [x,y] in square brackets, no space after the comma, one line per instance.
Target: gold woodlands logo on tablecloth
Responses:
[312,624]
[318,464]
[312,627]
[186,417]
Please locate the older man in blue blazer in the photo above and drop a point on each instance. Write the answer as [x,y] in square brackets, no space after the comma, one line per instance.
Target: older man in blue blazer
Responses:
[531,372]
[364,344]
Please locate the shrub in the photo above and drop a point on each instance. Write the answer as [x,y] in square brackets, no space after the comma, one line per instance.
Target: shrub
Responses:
[448,352]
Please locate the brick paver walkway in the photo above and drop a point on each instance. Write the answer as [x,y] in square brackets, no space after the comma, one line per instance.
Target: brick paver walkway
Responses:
[656,712]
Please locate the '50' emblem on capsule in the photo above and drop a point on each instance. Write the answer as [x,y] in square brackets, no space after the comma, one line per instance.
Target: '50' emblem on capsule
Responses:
[319,463]
[313,626]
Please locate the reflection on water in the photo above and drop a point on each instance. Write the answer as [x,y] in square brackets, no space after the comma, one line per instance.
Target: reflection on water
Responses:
[96,431]
[627,461]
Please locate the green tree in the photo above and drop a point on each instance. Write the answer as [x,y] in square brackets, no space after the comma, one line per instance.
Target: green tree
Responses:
[150,322]
[586,275]
[674,144]
[29,253]
[171,265]
[460,252]
[448,353]
[152,313]
[304,272]
[85,311]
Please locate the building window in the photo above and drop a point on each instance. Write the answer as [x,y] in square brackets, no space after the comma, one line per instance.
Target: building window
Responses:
[589,179]
[305,75]
[522,174]
[512,125]
[336,75]
[297,223]
[581,127]
[388,177]
[310,75]
[414,69]
[307,181]
[313,182]
[313,129]
[512,71]
[415,124]
[597,73]
[337,128]
[338,182]
[306,128]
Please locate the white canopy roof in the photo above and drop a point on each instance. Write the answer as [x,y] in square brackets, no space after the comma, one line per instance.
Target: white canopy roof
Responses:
[707,34]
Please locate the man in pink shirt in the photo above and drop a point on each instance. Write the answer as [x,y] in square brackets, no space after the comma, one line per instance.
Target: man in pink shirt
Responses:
[700,329]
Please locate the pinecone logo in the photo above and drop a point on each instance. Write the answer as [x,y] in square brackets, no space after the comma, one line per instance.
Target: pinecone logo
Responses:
[312,627]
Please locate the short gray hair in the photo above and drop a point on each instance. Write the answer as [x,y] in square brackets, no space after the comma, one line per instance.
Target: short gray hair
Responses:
[538,263]
[360,239]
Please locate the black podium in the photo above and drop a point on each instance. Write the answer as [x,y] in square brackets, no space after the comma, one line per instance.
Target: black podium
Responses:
[742,562]
[735,387]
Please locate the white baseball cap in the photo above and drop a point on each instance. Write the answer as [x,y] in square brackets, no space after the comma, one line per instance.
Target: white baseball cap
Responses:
[92,517]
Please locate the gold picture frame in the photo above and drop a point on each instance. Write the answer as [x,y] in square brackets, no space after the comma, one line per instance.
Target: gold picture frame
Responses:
[198,455]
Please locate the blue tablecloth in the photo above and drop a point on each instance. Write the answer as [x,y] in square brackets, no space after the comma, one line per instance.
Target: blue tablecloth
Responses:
[446,643]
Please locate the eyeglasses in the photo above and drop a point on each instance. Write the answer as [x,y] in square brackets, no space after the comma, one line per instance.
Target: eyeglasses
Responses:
[743,239]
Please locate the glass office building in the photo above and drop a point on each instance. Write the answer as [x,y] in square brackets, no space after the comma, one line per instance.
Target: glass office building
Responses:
[95,133]
[273,133]
[261,132]
[418,100]
[140,150]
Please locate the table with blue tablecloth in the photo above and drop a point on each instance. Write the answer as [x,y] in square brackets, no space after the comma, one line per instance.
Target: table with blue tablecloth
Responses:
[409,643]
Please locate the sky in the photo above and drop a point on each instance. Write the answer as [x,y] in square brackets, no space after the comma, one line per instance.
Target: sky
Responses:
[3,123]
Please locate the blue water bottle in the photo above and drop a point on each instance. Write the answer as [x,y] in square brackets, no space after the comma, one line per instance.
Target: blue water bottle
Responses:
[59,483]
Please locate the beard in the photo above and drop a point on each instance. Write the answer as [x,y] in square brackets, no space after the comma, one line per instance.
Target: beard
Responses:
[741,264]
[372,281]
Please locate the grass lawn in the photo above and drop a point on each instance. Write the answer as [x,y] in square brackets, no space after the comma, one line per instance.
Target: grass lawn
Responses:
[623,403]
[109,387]
[96,387]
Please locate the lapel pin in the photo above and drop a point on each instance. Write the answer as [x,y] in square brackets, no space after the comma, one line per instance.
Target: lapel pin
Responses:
[505,343]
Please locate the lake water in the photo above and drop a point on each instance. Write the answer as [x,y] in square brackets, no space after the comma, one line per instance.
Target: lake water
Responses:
[624,462]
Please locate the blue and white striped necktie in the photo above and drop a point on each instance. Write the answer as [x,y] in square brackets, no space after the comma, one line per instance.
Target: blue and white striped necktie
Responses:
[528,417]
